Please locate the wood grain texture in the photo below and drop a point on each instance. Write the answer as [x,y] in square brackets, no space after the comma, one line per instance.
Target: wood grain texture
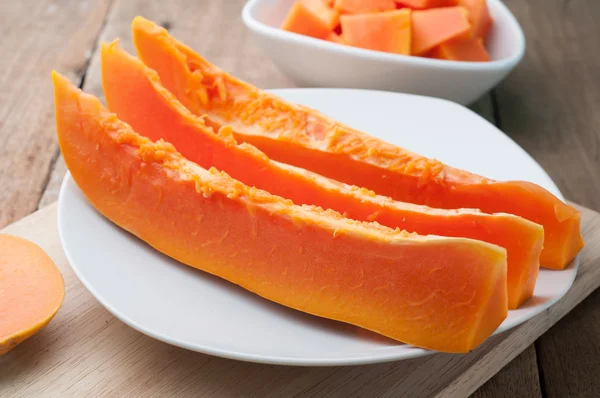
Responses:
[517,379]
[85,351]
[549,105]
[568,353]
[37,36]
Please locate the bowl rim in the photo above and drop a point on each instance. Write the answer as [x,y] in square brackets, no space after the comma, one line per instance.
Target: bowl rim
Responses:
[281,35]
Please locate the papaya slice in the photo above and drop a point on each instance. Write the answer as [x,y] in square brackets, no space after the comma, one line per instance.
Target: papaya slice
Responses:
[302,20]
[479,17]
[126,78]
[305,138]
[31,290]
[445,294]
[363,6]
[380,31]
[460,49]
[330,16]
[435,26]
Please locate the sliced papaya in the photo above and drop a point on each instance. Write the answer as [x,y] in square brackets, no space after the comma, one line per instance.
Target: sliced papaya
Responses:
[435,26]
[302,20]
[446,294]
[479,17]
[460,49]
[329,15]
[303,137]
[381,31]
[363,6]
[125,78]
[31,290]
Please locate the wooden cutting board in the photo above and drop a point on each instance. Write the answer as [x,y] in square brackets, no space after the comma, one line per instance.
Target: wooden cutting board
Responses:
[85,351]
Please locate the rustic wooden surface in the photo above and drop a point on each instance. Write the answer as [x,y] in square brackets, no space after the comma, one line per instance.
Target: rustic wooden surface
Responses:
[85,351]
[548,105]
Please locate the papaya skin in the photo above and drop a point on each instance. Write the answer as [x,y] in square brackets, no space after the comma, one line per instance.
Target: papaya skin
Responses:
[445,294]
[32,290]
[303,137]
[126,78]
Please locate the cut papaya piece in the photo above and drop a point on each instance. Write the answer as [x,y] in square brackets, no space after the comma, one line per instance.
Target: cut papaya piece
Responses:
[303,137]
[432,27]
[460,49]
[446,294]
[125,79]
[382,31]
[424,4]
[330,16]
[479,17]
[31,290]
[303,21]
[335,38]
[363,6]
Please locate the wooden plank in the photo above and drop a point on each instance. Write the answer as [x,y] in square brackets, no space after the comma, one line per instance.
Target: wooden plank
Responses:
[549,105]
[517,379]
[568,353]
[85,351]
[37,36]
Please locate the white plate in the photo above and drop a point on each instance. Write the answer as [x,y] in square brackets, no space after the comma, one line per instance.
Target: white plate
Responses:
[188,308]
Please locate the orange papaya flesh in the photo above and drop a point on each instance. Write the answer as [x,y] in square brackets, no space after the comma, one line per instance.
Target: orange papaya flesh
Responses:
[460,49]
[126,78]
[329,15]
[479,17]
[424,4]
[363,6]
[381,31]
[32,290]
[435,26]
[304,21]
[335,38]
[305,138]
[445,294]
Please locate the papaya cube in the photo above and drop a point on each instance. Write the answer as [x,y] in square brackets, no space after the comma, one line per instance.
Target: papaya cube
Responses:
[432,27]
[364,6]
[462,50]
[382,31]
[303,21]
[479,17]
[321,9]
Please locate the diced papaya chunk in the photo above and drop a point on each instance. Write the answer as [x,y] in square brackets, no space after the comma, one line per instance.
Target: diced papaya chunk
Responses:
[462,50]
[335,38]
[364,6]
[424,4]
[383,31]
[479,17]
[303,21]
[432,27]
[320,8]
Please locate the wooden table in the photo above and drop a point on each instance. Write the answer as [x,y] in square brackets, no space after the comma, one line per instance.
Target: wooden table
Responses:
[549,105]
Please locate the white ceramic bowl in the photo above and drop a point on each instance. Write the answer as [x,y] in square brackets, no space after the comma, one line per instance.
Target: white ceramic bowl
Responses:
[319,63]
